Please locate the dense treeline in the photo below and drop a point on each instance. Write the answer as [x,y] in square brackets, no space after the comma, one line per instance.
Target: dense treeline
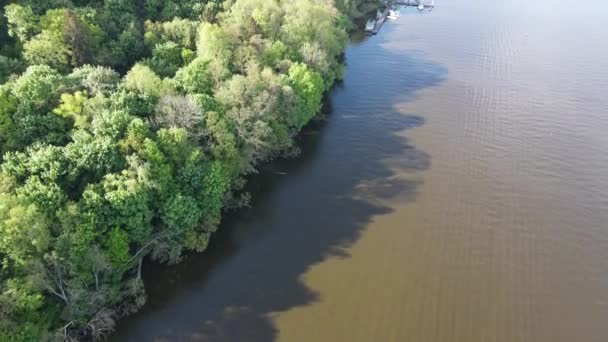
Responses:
[126,127]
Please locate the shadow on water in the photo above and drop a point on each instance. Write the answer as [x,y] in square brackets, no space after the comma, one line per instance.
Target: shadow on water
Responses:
[304,210]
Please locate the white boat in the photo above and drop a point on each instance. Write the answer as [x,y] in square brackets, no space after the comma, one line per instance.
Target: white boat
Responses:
[393,14]
[370,25]
[420,6]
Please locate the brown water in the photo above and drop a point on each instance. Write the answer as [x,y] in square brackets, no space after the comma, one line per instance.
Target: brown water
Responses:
[458,191]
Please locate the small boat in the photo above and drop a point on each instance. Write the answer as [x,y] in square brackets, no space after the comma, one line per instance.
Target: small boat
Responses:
[369,27]
[420,6]
[393,14]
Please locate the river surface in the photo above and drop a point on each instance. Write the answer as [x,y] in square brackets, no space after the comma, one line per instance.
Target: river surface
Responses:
[456,192]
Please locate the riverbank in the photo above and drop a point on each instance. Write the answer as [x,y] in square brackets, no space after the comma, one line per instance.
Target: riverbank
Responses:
[460,199]
[120,168]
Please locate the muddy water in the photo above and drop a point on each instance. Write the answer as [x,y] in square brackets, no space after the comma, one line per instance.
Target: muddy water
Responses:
[457,191]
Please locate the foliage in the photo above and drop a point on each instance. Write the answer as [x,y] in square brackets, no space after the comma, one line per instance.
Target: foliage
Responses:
[96,79]
[125,127]
[195,78]
[308,85]
[166,59]
[8,67]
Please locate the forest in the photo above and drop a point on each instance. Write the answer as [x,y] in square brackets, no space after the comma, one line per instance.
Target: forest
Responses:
[128,127]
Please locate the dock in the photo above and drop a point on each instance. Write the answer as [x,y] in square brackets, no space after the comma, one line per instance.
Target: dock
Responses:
[412,3]
[391,5]
[380,21]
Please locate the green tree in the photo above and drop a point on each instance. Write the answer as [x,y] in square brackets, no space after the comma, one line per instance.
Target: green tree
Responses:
[141,90]
[24,230]
[64,41]
[214,43]
[195,77]
[79,39]
[48,197]
[21,21]
[166,59]
[9,66]
[37,87]
[143,80]
[117,246]
[127,198]
[309,87]
[250,17]
[33,95]
[181,213]
[73,106]
[8,104]
[131,131]
[96,79]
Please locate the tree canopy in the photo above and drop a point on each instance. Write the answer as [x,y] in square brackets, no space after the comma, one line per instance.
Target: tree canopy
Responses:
[126,128]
